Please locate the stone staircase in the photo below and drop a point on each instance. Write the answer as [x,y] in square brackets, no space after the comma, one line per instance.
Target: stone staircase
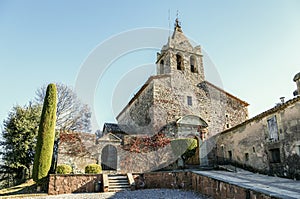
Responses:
[118,182]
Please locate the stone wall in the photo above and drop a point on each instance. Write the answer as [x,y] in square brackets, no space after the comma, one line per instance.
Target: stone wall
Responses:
[138,113]
[253,146]
[64,184]
[80,149]
[217,108]
[80,183]
[77,150]
[164,100]
[218,189]
[131,162]
[190,181]
[224,109]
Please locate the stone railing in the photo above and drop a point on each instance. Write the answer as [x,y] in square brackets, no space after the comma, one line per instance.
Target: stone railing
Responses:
[131,181]
[105,183]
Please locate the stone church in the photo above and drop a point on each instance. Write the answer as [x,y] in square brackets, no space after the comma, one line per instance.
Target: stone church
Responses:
[177,102]
[178,96]
[180,103]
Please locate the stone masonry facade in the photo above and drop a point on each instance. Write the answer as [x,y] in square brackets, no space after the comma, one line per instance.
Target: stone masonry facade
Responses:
[180,89]
[76,150]
[268,143]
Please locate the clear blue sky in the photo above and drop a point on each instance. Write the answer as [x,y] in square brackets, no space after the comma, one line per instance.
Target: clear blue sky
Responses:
[255,45]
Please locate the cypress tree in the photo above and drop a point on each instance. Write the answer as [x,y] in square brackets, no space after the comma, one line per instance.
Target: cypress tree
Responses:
[46,135]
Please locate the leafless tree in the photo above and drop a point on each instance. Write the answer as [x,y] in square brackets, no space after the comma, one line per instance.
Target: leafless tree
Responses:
[72,114]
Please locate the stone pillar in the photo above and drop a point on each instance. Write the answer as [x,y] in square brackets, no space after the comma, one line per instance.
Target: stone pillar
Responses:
[297,80]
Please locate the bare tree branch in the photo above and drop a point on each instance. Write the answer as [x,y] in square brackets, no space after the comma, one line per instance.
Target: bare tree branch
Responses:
[72,114]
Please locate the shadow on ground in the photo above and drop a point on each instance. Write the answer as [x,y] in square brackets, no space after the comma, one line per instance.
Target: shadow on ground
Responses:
[19,190]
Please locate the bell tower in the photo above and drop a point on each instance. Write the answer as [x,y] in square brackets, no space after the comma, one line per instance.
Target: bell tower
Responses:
[178,56]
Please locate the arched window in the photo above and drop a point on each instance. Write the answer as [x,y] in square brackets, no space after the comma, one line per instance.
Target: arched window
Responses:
[179,62]
[161,67]
[193,64]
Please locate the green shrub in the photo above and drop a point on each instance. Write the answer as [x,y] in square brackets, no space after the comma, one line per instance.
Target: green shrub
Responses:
[93,169]
[45,138]
[63,169]
[184,145]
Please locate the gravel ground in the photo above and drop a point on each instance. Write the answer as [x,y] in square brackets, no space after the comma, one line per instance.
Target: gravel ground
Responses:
[143,194]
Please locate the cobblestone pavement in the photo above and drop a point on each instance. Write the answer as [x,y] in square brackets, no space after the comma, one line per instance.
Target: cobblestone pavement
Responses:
[138,194]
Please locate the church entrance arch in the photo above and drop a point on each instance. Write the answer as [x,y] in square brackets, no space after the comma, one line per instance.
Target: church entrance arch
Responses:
[109,157]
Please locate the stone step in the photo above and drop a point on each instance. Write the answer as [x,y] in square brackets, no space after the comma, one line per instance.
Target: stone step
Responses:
[118,180]
[118,183]
[118,186]
[114,181]
[119,189]
[117,177]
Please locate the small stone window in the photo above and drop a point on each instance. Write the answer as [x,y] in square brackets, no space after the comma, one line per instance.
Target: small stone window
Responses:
[189,101]
[273,129]
[253,148]
[298,150]
[193,64]
[179,62]
[227,121]
[222,147]
[246,157]
[161,67]
[230,155]
[275,155]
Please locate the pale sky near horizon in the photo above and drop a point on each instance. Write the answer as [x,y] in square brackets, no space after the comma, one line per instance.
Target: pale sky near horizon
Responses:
[254,45]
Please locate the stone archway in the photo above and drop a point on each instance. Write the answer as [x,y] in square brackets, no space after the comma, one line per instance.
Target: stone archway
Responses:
[109,158]
[194,126]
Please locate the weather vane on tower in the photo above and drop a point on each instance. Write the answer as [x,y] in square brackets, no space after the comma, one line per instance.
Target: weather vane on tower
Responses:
[177,23]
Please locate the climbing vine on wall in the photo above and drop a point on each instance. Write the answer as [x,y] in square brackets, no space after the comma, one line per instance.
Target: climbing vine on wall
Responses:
[75,139]
[146,143]
[69,137]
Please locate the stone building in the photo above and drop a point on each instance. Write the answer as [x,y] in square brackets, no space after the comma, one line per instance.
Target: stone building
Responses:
[267,143]
[179,102]
[179,89]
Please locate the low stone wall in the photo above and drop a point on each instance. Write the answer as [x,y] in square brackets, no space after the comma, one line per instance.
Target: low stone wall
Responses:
[63,184]
[195,182]
[168,180]
[80,183]
[218,189]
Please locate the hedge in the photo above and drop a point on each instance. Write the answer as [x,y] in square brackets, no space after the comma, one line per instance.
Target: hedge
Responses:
[63,169]
[93,169]
[182,146]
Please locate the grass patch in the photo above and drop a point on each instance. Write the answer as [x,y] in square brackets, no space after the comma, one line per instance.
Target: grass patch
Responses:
[26,189]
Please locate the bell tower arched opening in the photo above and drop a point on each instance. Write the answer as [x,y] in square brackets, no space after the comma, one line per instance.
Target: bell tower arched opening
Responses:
[179,62]
[193,64]
[161,67]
